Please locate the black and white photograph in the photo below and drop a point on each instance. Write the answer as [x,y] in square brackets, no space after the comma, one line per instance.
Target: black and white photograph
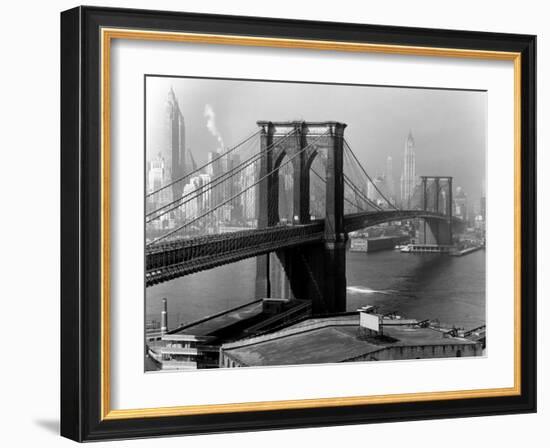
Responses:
[291,223]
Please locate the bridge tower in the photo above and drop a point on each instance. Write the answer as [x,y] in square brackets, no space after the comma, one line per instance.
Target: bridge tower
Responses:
[437,196]
[317,271]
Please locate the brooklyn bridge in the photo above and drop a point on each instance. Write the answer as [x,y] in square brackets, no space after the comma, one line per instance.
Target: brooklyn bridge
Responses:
[301,250]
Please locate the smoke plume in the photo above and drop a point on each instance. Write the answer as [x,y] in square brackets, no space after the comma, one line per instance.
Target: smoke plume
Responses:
[210,116]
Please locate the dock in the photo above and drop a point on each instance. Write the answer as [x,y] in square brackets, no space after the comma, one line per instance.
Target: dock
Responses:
[469,250]
[427,249]
[375,244]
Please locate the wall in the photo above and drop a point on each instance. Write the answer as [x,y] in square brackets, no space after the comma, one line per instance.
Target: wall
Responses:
[29,104]
[427,351]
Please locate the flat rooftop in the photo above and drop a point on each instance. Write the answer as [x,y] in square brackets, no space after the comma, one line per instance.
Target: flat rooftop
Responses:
[323,345]
[328,340]
[211,324]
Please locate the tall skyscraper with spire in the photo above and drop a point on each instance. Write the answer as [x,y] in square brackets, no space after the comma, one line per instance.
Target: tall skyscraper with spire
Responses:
[176,142]
[408,176]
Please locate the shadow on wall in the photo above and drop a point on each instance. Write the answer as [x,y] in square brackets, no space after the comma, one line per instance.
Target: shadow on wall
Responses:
[51,426]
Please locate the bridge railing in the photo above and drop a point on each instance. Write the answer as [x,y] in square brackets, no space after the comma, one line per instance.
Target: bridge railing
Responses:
[169,260]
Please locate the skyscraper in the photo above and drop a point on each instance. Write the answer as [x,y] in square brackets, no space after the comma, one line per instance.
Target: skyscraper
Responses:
[215,171]
[156,174]
[156,178]
[376,189]
[197,196]
[248,198]
[390,184]
[408,176]
[233,186]
[176,142]
[461,204]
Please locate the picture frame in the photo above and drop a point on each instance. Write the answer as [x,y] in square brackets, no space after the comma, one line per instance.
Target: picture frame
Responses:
[86,212]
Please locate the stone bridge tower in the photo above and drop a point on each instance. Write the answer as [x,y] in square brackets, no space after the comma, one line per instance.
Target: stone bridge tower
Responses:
[437,196]
[317,271]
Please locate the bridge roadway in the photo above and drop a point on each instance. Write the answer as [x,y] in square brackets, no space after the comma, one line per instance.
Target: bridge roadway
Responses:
[184,256]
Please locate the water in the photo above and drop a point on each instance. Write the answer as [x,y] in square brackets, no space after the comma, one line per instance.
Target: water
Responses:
[426,286]
[450,289]
[204,293]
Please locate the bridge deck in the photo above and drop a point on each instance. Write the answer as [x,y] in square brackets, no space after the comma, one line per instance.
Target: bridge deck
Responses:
[185,256]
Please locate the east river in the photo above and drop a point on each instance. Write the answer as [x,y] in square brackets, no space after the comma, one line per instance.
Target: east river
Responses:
[449,289]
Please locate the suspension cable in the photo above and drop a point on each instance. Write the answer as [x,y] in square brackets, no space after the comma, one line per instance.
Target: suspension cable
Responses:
[353,186]
[194,194]
[185,176]
[349,201]
[368,177]
[160,238]
[216,181]
[356,189]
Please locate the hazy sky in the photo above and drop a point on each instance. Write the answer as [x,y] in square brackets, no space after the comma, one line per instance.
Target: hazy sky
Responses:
[449,127]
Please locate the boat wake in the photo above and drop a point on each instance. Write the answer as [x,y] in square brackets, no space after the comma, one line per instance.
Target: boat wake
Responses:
[364,290]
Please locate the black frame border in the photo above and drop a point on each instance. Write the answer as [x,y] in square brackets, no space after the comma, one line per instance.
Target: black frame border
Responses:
[81,223]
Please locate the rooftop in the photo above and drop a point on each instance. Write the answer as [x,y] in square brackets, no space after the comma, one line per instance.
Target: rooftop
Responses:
[322,345]
[329,340]
[251,317]
[211,324]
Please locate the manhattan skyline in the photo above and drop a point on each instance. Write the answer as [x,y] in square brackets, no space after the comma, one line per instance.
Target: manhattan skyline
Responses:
[444,122]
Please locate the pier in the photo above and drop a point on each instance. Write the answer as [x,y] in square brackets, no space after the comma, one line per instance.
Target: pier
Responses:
[469,250]
[374,244]
[428,249]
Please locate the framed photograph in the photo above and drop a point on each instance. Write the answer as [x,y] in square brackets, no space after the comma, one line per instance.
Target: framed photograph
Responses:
[276,224]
